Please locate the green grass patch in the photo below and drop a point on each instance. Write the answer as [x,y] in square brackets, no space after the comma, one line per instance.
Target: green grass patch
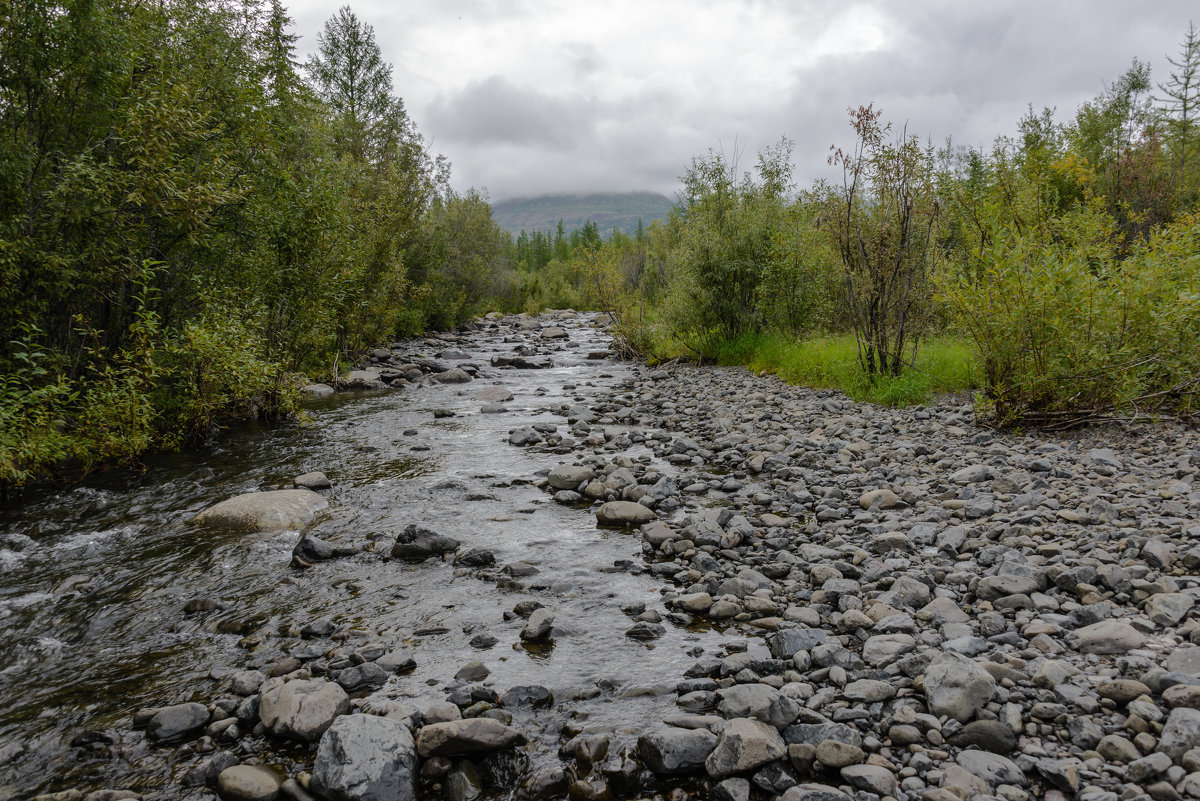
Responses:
[944,364]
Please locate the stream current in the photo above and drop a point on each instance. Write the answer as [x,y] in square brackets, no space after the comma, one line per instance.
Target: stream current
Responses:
[96,579]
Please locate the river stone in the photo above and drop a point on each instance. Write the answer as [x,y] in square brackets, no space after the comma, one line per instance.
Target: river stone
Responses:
[494,395]
[1181,733]
[987,735]
[834,754]
[470,736]
[786,643]
[264,511]
[624,513]
[883,649]
[990,588]
[1168,608]
[246,682]
[314,481]
[992,768]
[554,332]
[814,792]
[868,691]
[248,783]
[539,625]
[316,390]
[365,758]
[455,375]
[731,790]
[174,723]
[872,778]
[880,499]
[1109,637]
[758,701]
[942,610]
[1184,660]
[696,603]
[421,543]
[302,709]
[744,745]
[568,477]
[670,751]
[957,686]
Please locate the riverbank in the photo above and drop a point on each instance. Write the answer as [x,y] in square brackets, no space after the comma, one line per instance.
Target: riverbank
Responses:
[827,599]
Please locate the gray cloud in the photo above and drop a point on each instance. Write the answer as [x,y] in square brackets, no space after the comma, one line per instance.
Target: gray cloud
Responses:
[530,97]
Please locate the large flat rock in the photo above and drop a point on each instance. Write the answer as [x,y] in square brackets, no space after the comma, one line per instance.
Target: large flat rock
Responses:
[264,511]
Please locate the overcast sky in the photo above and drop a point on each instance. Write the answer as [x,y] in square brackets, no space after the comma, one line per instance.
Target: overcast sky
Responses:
[529,98]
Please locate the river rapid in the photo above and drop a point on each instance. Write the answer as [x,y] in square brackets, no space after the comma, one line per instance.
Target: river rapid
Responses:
[112,601]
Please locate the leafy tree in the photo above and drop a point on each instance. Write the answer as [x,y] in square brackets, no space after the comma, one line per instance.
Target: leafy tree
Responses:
[883,219]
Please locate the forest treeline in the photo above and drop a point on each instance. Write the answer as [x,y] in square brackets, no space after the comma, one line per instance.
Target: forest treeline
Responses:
[190,220]
[1063,262]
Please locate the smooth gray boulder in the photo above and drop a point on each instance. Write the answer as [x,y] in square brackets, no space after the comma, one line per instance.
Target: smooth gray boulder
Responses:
[957,686]
[174,723]
[365,758]
[264,511]
[758,701]
[1181,733]
[568,477]
[248,783]
[470,736]
[419,543]
[743,745]
[1109,637]
[300,708]
[670,751]
[624,513]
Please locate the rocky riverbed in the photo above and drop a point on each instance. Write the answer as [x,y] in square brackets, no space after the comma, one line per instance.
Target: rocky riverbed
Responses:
[661,582]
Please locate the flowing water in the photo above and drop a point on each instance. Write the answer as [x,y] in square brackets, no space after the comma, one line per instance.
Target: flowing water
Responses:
[94,579]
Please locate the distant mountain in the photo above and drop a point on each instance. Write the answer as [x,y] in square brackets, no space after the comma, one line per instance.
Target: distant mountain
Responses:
[608,211]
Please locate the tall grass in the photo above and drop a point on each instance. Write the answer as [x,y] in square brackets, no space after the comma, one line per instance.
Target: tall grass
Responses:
[943,364]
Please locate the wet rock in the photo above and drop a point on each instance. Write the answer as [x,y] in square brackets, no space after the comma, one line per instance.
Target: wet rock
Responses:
[671,751]
[316,390]
[473,671]
[568,477]
[246,682]
[301,709]
[264,511]
[455,375]
[172,724]
[365,758]
[744,745]
[248,783]
[368,675]
[532,696]
[470,736]
[624,513]
[494,395]
[416,543]
[814,792]
[310,550]
[541,621]
[476,557]
[315,480]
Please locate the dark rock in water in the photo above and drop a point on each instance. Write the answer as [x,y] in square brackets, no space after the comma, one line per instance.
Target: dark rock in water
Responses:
[310,550]
[483,641]
[468,736]
[206,773]
[645,631]
[366,675]
[462,783]
[313,481]
[539,626]
[365,758]
[544,784]
[527,608]
[421,543]
[202,605]
[318,629]
[397,661]
[441,414]
[174,723]
[532,695]
[476,557]
[472,671]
